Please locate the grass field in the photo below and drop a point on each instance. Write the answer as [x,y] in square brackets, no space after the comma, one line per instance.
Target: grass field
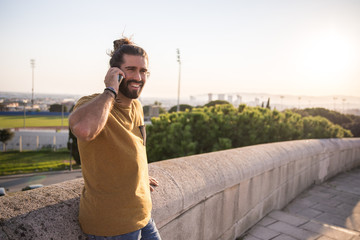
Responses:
[32,121]
[15,162]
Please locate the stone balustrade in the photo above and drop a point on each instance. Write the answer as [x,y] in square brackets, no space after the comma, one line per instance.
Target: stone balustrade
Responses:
[216,195]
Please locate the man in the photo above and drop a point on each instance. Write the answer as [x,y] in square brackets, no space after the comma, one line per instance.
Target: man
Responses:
[115,201]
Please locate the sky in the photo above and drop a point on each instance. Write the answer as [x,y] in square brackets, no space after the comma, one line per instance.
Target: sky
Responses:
[304,47]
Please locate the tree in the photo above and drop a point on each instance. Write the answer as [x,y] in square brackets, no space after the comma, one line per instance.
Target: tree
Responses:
[5,135]
[183,107]
[216,102]
[2,107]
[347,121]
[268,104]
[57,108]
[222,127]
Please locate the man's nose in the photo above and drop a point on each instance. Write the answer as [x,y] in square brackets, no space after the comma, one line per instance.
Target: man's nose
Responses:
[138,76]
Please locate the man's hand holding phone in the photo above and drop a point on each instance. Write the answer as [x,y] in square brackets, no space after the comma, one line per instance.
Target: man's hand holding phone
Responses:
[114,78]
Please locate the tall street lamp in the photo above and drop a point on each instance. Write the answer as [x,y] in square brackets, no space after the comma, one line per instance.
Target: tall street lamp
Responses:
[32,63]
[179,61]
[24,102]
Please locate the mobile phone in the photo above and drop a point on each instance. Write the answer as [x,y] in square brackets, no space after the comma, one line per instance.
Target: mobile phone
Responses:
[121,77]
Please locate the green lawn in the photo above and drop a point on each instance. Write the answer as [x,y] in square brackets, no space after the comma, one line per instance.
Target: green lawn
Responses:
[32,121]
[14,162]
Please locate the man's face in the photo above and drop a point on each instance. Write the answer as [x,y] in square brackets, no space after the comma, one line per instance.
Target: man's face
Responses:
[136,73]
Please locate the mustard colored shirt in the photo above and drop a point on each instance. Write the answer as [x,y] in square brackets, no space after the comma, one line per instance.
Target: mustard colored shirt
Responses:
[116,196]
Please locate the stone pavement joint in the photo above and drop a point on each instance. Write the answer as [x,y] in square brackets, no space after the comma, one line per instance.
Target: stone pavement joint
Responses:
[330,211]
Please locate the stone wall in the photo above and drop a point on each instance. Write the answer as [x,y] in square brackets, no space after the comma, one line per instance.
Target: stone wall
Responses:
[209,196]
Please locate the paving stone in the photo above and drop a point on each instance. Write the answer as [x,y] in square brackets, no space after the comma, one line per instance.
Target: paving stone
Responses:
[326,230]
[347,198]
[348,179]
[326,238]
[315,199]
[356,208]
[352,182]
[349,189]
[324,195]
[331,202]
[296,207]
[332,219]
[263,233]
[284,237]
[353,222]
[331,210]
[309,213]
[266,221]
[350,209]
[302,200]
[250,237]
[328,188]
[346,207]
[287,218]
[293,231]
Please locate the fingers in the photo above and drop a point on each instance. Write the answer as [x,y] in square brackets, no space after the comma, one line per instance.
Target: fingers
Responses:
[153,183]
[112,78]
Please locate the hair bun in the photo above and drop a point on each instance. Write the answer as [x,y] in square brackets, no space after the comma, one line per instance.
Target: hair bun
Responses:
[120,42]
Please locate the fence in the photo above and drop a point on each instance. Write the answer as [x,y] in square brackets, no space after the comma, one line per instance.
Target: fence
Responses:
[37,139]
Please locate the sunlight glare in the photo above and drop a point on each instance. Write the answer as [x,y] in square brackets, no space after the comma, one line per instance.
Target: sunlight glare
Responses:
[328,55]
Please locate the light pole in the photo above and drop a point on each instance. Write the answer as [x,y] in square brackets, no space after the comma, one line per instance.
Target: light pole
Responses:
[179,61]
[24,102]
[32,63]
[62,116]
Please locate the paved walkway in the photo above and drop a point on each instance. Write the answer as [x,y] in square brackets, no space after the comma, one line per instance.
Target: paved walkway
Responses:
[324,212]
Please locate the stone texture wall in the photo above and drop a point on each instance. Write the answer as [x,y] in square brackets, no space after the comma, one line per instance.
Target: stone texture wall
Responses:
[209,196]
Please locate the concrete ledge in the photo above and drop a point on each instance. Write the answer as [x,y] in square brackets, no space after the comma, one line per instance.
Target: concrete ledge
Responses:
[209,196]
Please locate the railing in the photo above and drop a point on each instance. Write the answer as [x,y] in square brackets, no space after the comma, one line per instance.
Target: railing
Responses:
[209,196]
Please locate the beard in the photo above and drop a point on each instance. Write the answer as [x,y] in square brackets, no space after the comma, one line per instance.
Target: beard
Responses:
[132,94]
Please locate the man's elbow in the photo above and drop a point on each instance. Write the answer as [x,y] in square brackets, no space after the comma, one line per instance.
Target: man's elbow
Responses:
[81,132]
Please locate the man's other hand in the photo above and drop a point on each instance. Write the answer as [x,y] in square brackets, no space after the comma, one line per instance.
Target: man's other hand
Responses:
[153,183]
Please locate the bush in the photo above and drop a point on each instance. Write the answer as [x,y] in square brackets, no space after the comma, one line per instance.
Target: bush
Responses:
[5,135]
[347,121]
[183,107]
[219,127]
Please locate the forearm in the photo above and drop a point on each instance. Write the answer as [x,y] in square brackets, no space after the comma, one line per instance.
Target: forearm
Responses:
[87,121]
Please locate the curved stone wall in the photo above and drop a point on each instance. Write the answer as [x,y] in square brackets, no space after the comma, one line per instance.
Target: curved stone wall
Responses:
[209,196]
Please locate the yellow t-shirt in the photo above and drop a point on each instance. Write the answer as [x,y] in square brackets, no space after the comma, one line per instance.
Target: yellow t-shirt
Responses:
[116,196]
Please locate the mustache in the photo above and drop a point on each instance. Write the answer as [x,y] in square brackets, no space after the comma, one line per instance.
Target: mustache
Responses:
[134,81]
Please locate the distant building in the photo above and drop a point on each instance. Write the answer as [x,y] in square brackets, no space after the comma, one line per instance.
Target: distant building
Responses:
[154,111]
[12,107]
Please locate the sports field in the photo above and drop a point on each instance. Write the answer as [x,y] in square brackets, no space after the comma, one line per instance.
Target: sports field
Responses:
[33,121]
[14,162]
